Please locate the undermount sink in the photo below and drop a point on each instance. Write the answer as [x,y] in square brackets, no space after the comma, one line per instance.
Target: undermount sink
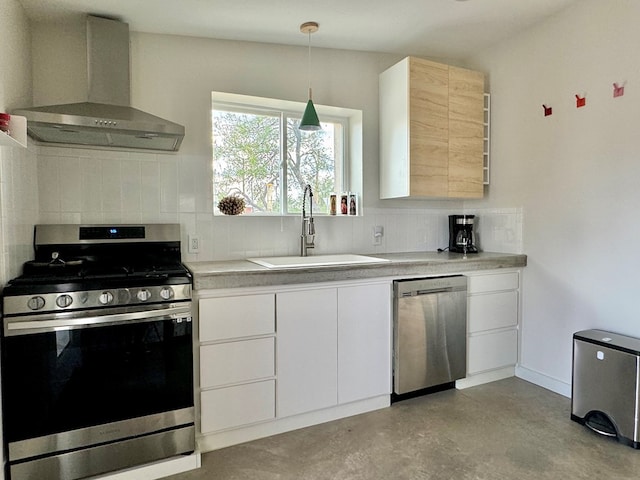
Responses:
[315,260]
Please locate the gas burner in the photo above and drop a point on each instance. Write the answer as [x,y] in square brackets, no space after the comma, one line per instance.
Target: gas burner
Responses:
[76,261]
[36,266]
[97,271]
[56,262]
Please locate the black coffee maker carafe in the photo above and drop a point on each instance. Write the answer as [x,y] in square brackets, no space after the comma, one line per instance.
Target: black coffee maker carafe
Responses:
[461,236]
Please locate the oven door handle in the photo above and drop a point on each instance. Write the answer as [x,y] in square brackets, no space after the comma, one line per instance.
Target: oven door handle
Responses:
[28,325]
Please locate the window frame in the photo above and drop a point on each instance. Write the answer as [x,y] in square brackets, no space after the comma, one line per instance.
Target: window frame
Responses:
[284,110]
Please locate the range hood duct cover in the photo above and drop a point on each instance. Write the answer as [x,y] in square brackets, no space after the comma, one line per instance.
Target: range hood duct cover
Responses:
[106,119]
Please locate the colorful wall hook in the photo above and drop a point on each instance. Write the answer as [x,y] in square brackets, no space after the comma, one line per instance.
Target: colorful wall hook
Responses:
[580,101]
[618,90]
[547,110]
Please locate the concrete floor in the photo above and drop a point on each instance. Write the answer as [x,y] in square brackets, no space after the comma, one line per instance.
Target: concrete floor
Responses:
[509,429]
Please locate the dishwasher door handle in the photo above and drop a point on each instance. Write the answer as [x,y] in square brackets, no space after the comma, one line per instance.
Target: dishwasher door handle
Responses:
[417,293]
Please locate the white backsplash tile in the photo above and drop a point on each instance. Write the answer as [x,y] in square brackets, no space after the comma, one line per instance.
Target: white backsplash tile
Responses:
[49,217]
[187,174]
[48,184]
[130,182]
[111,186]
[359,237]
[92,217]
[203,171]
[132,187]
[169,217]
[333,235]
[70,217]
[70,180]
[18,209]
[149,189]
[112,217]
[219,245]
[131,216]
[168,182]
[499,230]
[91,184]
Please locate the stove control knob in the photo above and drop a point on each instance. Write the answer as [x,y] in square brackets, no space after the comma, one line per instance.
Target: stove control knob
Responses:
[35,303]
[63,301]
[105,298]
[166,293]
[144,295]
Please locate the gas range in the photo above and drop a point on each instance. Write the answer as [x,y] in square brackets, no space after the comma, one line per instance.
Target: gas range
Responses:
[101,317]
[78,267]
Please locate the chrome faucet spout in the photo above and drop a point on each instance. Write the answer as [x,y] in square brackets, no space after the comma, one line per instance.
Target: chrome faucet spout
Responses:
[308,227]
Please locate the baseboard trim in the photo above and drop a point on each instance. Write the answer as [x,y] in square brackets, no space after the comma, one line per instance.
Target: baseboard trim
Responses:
[214,441]
[544,381]
[485,377]
[156,470]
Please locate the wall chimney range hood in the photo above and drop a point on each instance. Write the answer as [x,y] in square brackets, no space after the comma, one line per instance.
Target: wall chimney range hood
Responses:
[106,119]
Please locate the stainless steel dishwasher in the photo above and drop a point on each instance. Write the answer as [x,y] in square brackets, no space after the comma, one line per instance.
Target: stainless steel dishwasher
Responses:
[430,332]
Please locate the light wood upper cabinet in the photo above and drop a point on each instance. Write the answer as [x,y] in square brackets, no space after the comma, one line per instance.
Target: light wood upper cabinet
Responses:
[431,131]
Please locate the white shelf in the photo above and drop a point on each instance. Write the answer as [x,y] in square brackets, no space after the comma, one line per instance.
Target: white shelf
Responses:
[18,136]
[487,138]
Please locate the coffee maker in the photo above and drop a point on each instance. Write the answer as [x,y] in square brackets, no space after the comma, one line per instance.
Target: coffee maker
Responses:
[461,236]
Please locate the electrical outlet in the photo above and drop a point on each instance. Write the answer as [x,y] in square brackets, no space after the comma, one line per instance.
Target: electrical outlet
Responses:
[378,232]
[193,244]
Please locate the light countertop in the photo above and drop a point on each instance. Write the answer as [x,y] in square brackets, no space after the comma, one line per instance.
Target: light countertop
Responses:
[243,273]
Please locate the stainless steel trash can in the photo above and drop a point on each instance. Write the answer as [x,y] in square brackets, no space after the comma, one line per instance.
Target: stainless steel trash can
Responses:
[605,389]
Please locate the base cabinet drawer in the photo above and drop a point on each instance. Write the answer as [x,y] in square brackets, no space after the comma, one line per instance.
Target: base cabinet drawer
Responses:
[491,311]
[234,317]
[493,282]
[492,350]
[236,362]
[238,405]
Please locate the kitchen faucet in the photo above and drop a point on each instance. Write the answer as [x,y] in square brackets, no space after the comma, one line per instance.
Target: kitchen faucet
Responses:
[308,228]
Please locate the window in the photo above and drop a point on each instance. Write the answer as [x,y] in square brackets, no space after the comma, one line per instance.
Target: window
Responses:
[260,154]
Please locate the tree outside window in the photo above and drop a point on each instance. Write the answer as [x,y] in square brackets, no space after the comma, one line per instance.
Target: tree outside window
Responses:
[262,156]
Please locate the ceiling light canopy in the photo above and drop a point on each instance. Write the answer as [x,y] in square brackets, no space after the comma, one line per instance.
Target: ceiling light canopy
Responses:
[309,121]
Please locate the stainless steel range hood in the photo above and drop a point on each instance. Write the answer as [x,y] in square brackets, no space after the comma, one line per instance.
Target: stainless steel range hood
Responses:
[106,119]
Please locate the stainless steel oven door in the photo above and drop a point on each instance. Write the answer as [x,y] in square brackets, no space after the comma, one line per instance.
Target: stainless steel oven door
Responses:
[96,380]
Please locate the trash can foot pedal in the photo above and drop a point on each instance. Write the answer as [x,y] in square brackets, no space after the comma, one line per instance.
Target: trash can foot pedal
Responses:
[600,423]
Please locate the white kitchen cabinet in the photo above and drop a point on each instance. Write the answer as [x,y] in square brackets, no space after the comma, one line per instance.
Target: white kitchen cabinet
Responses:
[493,310]
[492,313]
[293,356]
[307,351]
[334,346]
[364,342]
[238,405]
[237,360]
[493,282]
[236,316]
[431,131]
[491,351]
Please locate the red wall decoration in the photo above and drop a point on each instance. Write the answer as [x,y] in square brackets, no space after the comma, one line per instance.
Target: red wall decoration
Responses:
[581,99]
[618,90]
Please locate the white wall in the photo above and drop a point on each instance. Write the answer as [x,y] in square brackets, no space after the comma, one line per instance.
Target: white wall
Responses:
[18,185]
[575,174]
[173,77]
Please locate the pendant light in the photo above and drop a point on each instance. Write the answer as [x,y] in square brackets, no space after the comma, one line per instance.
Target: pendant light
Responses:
[309,120]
